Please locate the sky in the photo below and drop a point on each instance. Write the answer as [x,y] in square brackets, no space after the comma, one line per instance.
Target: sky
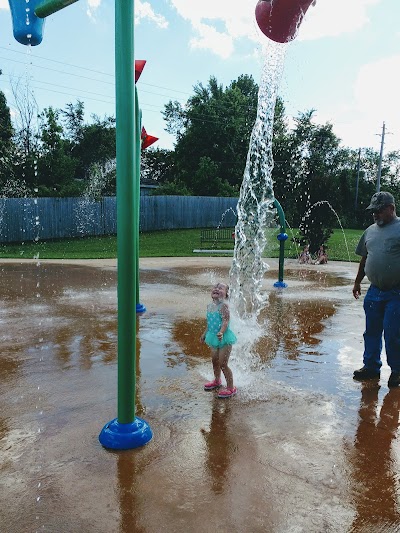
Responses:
[344,63]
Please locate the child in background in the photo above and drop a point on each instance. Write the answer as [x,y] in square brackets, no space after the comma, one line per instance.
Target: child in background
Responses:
[322,256]
[305,256]
[220,338]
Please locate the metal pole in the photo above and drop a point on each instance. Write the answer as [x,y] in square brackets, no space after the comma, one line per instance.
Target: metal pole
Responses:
[140,308]
[378,180]
[126,431]
[126,207]
[48,7]
[358,179]
[281,237]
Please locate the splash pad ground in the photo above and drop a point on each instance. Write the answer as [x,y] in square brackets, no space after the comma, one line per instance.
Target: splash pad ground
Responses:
[302,448]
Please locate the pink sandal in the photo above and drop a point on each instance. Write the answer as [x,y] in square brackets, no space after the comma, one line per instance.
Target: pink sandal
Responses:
[211,385]
[227,393]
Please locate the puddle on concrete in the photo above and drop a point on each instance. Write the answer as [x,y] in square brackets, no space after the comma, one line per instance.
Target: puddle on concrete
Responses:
[301,448]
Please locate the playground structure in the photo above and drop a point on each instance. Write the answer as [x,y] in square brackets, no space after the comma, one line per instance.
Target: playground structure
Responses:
[128,431]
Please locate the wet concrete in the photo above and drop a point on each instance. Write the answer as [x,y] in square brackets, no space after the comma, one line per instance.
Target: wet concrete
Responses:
[301,448]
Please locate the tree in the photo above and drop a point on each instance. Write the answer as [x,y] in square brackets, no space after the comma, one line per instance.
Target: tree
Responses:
[26,117]
[6,144]
[158,164]
[215,124]
[172,188]
[56,167]
[96,144]
[74,121]
[314,161]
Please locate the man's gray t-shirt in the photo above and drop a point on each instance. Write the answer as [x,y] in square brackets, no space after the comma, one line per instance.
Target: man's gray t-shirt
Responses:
[381,245]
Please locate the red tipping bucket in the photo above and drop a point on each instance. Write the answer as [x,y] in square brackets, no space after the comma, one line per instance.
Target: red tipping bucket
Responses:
[279,20]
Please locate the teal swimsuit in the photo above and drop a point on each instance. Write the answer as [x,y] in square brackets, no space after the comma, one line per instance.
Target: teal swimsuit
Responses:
[214,321]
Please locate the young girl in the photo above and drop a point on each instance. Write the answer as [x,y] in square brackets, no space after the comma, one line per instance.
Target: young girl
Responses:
[322,256]
[305,256]
[219,338]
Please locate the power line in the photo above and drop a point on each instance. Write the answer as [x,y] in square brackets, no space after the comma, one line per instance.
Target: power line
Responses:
[11,77]
[86,69]
[198,118]
[58,71]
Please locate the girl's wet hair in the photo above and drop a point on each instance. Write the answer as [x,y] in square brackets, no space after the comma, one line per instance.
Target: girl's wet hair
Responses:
[227,288]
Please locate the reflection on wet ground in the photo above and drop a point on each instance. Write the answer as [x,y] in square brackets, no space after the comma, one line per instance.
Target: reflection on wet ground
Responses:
[300,448]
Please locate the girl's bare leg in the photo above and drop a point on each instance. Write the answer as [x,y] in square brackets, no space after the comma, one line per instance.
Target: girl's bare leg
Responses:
[216,363]
[224,354]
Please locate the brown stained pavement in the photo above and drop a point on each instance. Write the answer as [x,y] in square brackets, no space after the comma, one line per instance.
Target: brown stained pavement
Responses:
[301,448]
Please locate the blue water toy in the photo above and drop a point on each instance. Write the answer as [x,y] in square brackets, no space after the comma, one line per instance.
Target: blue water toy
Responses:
[27,26]
[282,237]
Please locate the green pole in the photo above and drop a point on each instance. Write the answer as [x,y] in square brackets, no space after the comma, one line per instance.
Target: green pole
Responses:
[139,152]
[48,7]
[127,230]
[126,431]
[281,242]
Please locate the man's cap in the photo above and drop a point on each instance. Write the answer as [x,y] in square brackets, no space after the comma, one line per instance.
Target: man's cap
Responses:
[380,200]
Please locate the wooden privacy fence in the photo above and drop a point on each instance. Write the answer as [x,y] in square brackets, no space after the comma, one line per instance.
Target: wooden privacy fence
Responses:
[30,219]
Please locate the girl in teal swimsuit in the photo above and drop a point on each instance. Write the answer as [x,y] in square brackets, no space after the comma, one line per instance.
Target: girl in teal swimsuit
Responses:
[220,338]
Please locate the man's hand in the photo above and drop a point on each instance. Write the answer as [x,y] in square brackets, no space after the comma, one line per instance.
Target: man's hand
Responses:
[357,290]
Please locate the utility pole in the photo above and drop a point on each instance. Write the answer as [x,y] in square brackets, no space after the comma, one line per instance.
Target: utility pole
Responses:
[358,179]
[378,179]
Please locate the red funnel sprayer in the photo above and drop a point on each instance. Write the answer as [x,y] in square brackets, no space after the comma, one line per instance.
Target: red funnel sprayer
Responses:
[279,20]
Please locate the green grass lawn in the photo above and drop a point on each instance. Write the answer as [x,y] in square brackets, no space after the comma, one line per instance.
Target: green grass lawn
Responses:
[172,243]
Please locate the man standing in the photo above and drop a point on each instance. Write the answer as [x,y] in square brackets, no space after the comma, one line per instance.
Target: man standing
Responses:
[379,248]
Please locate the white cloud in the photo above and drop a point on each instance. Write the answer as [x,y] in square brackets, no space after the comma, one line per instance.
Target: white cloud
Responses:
[4,5]
[217,24]
[210,37]
[93,5]
[376,88]
[330,19]
[327,18]
[375,100]
[143,10]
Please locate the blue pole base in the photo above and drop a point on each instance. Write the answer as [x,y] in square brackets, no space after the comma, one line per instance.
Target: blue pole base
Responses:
[280,284]
[140,308]
[118,436]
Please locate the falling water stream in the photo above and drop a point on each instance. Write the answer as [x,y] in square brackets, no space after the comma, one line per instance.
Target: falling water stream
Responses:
[255,205]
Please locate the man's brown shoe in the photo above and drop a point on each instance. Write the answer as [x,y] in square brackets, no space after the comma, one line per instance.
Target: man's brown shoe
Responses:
[365,373]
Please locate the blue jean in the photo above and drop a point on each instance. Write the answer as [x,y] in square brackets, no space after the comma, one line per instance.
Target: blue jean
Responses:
[382,315]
